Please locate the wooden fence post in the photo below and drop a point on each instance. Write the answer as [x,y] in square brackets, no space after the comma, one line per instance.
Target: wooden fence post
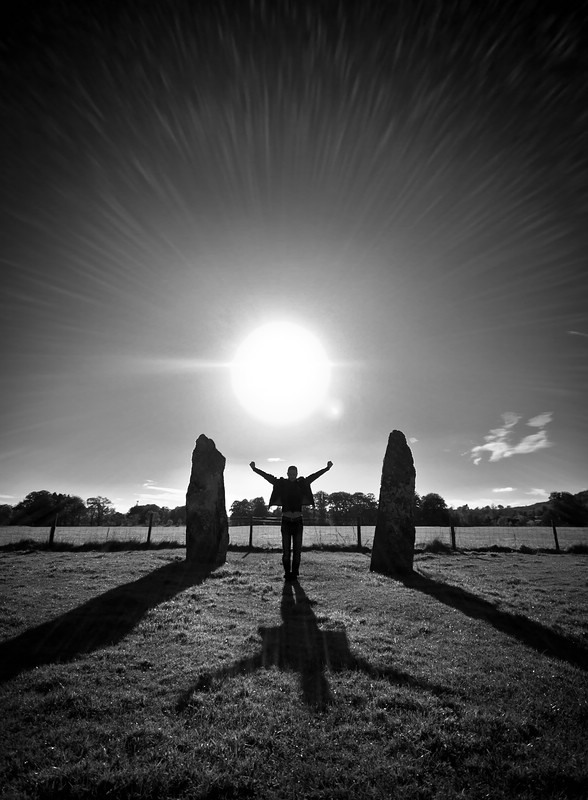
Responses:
[555,536]
[359,533]
[250,532]
[52,531]
[453,545]
[150,526]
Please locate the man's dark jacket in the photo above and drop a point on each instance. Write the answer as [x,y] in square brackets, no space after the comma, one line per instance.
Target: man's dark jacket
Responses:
[278,484]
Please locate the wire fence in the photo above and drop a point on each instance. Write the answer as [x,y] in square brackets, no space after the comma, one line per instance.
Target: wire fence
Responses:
[262,533]
[268,535]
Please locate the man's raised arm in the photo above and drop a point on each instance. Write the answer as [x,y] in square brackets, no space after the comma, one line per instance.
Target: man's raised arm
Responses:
[322,471]
[263,474]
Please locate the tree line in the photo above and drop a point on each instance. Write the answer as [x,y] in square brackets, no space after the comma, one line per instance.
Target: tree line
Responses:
[337,508]
[562,508]
[343,508]
[45,508]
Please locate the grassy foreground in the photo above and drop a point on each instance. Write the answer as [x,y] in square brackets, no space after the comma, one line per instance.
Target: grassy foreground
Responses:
[125,676]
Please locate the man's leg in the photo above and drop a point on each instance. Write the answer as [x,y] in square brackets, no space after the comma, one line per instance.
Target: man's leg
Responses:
[297,547]
[286,547]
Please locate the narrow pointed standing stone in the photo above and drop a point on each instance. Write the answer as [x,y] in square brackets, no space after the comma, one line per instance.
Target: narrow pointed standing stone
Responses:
[393,547]
[207,527]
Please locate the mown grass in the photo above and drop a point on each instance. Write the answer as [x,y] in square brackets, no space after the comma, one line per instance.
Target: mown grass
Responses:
[126,675]
[117,545]
[106,546]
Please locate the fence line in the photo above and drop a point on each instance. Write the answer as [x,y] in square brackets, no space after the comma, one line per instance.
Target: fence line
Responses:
[265,533]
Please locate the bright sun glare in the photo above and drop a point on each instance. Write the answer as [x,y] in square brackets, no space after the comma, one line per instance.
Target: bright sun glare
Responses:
[280,373]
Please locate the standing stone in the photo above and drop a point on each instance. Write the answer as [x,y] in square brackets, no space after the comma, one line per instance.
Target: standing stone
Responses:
[207,527]
[393,547]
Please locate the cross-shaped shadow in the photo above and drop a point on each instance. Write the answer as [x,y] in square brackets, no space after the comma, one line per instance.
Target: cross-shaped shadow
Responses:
[299,645]
[102,621]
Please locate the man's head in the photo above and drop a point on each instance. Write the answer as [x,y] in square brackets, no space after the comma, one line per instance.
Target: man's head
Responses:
[292,473]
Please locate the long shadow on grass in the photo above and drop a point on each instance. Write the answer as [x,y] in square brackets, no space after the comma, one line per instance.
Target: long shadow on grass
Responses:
[299,645]
[531,633]
[102,621]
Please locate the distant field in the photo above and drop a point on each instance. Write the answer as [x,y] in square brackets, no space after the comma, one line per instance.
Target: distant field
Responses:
[333,535]
[128,676]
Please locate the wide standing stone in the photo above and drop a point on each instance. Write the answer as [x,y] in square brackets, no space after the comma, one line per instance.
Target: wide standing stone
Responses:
[207,527]
[393,547]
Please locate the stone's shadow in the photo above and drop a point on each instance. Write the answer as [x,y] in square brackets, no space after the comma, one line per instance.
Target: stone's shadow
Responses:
[299,645]
[102,621]
[527,631]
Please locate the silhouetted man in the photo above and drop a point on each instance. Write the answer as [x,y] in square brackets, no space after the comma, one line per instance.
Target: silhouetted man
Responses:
[291,493]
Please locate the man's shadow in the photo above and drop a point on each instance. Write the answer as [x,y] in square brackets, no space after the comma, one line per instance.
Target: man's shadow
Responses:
[102,621]
[299,645]
[531,633]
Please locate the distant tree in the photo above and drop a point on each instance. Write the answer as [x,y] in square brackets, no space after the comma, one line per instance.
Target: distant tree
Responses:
[565,509]
[99,508]
[41,509]
[117,518]
[464,515]
[72,510]
[365,508]
[240,509]
[582,498]
[37,508]
[258,507]
[433,510]
[321,500]
[177,515]
[5,514]
[139,515]
[164,513]
[341,508]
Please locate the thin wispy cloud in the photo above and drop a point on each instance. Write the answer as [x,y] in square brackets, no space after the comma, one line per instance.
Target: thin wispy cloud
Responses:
[163,500]
[578,333]
[150,485]
[157,495]
[275,459]
[505,489]
[537,493]
[501,442]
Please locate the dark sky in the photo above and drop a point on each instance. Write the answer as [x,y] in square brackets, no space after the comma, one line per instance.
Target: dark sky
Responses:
[408,180]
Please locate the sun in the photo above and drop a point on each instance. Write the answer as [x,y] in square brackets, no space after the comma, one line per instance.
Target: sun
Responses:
[280,373]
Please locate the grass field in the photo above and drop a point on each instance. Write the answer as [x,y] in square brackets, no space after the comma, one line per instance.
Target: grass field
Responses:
[125,676]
